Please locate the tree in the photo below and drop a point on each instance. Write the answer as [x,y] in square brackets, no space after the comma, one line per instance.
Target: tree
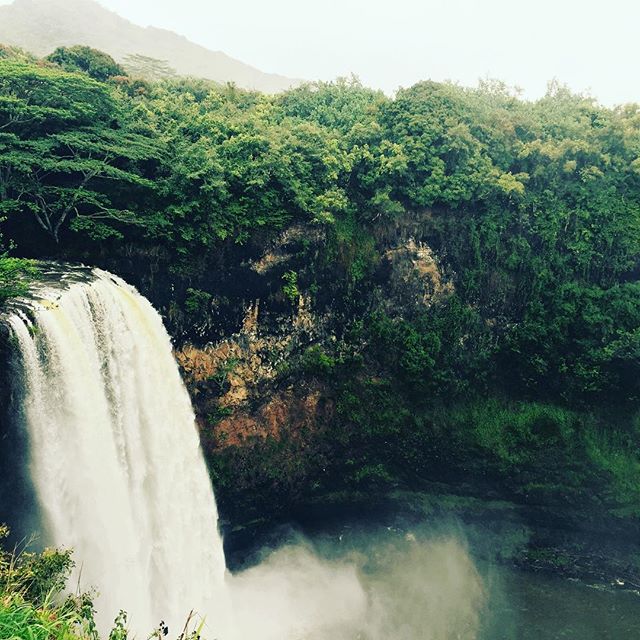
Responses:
[63,154]
[97,64]
[148,68]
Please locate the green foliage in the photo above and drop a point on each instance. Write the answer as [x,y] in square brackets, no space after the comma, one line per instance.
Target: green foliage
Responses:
[516,434]
[221,376]
[197,302]
[20,620]
[119,631]
[16,53]
[316,362]
[424,352]
[290,287]
[31,606]
[62,159]
[532,207]
[148,68]
[37,99]
[615,454]
[97,64]
[34,605]
[14,277]
[219,413]
[33,576]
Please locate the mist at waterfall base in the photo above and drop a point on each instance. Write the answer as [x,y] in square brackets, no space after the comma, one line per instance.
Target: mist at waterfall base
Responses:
[405,589]
[119,477]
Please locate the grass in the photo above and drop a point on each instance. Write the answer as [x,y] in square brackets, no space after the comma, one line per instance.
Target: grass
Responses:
[514,433]
[617,455]
[22,620]
[552,450]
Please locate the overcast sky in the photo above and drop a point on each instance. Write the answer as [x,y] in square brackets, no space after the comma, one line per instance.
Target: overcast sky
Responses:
[591,45]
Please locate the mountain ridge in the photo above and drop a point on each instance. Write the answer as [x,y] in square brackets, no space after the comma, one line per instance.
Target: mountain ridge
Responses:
[39,26]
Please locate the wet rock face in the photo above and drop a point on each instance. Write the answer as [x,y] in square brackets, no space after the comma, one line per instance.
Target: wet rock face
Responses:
[414,276]
[281,250]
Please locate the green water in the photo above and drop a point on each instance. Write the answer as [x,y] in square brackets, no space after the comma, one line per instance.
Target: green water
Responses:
[528,606]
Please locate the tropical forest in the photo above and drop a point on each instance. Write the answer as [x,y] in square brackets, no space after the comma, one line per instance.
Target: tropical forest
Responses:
[402,346]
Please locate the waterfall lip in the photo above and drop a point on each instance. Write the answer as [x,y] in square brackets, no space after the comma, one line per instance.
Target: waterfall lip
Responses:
[60,275]
[52,280]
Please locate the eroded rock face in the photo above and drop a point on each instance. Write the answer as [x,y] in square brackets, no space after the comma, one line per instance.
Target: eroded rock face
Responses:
[236,383]
[242,386]
[296,412]
[415,277]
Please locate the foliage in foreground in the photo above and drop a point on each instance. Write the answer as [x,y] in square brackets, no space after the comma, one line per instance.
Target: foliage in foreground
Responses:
[32,606]
[35,603]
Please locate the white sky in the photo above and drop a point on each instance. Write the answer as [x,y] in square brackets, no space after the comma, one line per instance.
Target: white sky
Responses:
[592,45]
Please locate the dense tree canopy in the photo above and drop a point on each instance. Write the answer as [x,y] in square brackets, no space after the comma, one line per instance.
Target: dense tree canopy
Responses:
[94,63]
[534,206]
[64,157]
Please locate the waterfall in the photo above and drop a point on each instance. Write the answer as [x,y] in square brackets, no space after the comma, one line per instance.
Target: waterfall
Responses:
[114,455]
[115,462]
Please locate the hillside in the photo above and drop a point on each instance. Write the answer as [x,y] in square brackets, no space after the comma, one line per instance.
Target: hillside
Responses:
[427,303]
[39,26]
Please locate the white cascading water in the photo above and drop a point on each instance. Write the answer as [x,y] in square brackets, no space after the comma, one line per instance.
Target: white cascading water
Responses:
[115,456]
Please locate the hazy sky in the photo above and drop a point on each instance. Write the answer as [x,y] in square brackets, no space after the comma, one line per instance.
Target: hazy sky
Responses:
[591,45]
